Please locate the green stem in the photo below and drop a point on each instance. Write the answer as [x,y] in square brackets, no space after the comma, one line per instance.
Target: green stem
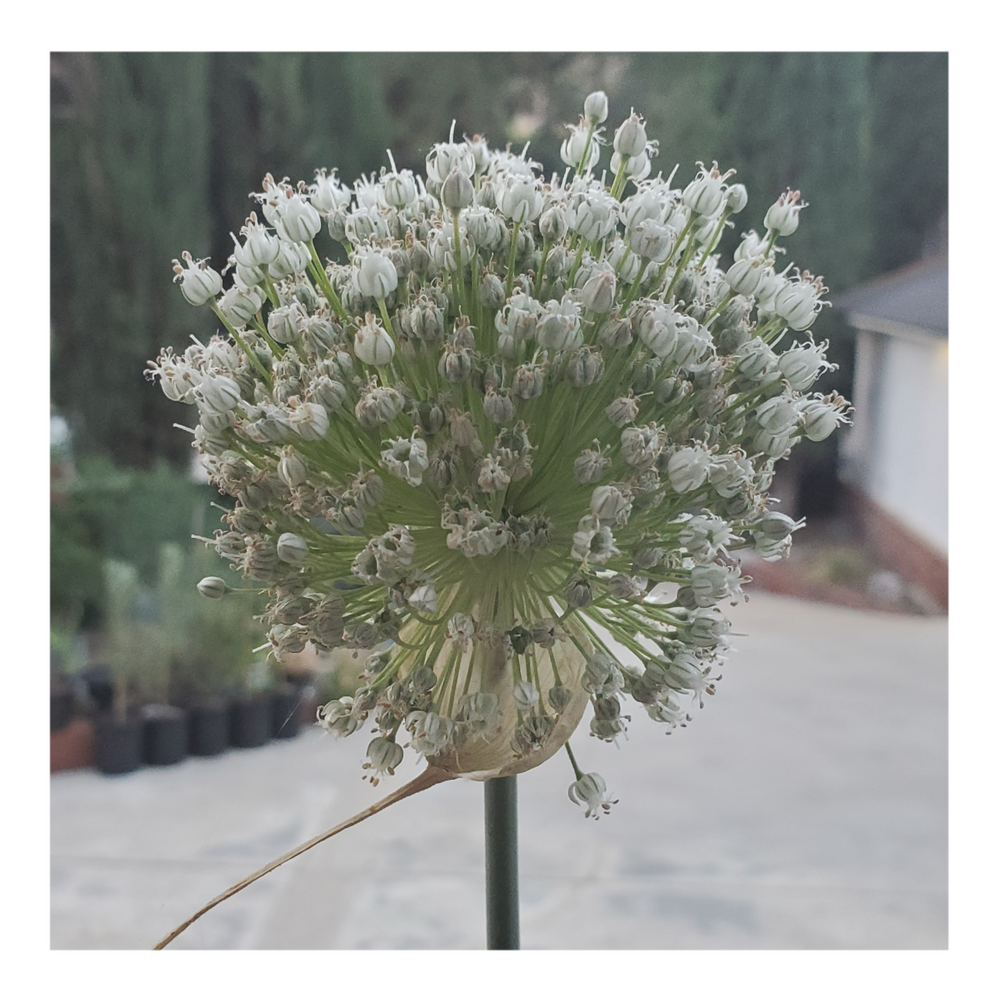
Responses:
[572,760]
[512,261]
[242,344]
[319,272]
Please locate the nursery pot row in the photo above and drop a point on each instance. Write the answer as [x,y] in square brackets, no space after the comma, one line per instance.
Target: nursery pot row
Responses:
[162,734]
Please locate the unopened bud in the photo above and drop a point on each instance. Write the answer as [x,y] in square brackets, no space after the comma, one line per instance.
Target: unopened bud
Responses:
[595,107]
[457,191]
[292,548]
[213,587]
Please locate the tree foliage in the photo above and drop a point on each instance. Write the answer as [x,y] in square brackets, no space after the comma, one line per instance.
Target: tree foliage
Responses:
[153,153]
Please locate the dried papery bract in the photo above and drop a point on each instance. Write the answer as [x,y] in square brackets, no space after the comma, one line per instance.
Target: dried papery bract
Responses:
[514,441]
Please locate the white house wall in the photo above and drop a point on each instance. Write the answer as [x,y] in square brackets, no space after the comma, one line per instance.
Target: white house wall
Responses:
[907,468]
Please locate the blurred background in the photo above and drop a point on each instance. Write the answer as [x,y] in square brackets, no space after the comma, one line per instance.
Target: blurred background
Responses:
[154,153]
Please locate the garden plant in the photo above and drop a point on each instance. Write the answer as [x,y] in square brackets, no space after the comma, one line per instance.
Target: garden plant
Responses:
[505,433]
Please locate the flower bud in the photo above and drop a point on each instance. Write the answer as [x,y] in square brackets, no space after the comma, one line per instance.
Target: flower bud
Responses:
[284,323]
[374,274]
[658,330]
[585,367]
[525,695]
[598,294]
[630,139]
[610,504]
[553,225]
[308,420]
[622,411]
[372,344]
[528,381]
[455,364]
[213,587]
[240,307]
[519,198]
[498,407]
[292,469]
[777,415]
[745,276]
[579,593]
[651,240]
[293,258]
[429,417]
[581,149]
[292,548]
[378,405]
[688,469]
[776,526]
[798,302]
[491,291]
[752,246]
[615,333]
[457,191]
[217,394]
[736,198]
[595,107]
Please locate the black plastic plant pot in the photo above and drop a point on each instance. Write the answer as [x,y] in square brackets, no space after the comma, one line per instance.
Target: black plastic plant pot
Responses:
[61,704]
[208,728]
[100,687]
[117,744]
[286,712]
[250,721]
[164,736]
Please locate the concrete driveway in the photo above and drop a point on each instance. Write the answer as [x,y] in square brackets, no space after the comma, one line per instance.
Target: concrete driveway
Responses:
[805,807]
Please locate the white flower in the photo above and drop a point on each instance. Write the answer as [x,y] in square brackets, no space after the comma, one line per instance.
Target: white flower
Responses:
[745,276]
[630,139]
[407,458]
[328,194]
[783,216]
[213,587]
[292,548]
[559,325]
[384,756]
[713,582]
[240,306]
[705,195]
[374,274]
[519,198]
[594,215]
[798,302]
[297,220]
[372,344]
[308,420]
[260,247]
[802,364]
[582,148]
[688,469]
[424,598]
[199,283]
[591,791]
[595,107]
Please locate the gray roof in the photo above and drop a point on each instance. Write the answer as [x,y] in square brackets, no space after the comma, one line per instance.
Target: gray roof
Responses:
[913,299]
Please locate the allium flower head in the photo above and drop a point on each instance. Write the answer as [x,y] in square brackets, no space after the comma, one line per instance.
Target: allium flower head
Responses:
[509,446]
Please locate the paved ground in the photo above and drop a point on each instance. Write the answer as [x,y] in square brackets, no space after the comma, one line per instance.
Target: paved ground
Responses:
[805,807]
